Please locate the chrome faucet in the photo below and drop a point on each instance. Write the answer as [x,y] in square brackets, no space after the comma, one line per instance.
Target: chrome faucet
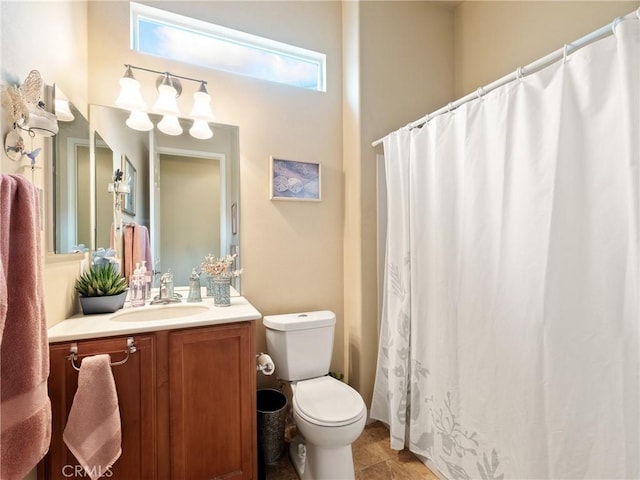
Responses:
[166,294]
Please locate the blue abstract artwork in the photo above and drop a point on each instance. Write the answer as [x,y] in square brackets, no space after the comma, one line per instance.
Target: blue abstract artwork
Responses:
[295,180]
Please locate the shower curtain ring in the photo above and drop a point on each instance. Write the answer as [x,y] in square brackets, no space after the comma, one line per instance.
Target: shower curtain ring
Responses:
[615,23]
[565,53]
[519,73]
[480,92]
[450,107]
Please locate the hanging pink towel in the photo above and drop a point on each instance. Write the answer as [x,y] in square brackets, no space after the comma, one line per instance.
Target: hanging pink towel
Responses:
[93,432]
[129,264]
[25,409]
[137,247]
[142,246]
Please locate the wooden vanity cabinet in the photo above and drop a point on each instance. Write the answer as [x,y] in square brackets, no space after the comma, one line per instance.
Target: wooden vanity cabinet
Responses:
[135,384]
[212,377]
[187,404]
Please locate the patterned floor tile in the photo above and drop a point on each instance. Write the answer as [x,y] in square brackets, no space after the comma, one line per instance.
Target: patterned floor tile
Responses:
[373,459]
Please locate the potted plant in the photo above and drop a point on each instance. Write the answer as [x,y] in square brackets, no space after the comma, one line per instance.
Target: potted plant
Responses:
[102,289]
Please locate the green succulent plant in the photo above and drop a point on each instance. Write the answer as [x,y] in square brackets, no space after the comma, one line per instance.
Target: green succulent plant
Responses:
[100,281]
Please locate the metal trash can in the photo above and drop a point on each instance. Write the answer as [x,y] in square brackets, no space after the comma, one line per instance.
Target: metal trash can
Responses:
[272,414]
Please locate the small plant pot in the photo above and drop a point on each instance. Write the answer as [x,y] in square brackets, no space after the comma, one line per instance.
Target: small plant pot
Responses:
[108,304]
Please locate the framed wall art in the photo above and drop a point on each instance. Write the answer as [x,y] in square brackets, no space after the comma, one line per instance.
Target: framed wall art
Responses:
[294,180]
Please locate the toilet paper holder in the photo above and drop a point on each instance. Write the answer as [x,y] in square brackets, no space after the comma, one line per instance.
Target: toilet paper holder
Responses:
[264,364]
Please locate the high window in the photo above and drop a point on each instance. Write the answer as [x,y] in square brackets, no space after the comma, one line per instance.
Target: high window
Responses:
[176,37]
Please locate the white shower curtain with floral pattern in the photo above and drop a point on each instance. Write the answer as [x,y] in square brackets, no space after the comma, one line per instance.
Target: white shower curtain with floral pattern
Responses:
[509,344]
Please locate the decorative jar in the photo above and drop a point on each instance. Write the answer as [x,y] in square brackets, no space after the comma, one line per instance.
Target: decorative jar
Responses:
[219,274]
[221,291]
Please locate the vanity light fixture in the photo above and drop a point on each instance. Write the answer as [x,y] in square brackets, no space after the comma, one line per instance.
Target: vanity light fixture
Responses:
[201,113]
[61,107]
[139,120]
[200,130]
[130,97]
[27,110]
[63,111]
[170,125]
[169,89]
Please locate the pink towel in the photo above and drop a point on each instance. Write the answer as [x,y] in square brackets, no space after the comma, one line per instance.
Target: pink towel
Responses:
[129,264]
[25,409]
[93,432]
[136,248]
[142,246]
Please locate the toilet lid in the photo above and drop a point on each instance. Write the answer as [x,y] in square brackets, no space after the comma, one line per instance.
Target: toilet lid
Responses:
[327,401]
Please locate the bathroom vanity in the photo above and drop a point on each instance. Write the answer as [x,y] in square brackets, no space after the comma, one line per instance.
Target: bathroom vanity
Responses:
[186,390]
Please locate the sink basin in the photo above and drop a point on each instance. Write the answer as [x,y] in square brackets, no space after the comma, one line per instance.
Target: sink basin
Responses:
[164,312]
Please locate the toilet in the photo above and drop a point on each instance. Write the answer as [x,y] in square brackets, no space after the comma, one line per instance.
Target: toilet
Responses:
[329,414]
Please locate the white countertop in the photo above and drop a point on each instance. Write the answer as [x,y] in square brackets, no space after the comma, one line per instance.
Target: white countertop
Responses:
[80,327]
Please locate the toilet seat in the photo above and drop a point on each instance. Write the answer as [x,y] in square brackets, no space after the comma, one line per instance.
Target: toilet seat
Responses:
[326,401]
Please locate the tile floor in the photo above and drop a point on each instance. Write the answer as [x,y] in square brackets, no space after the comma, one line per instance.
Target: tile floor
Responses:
[373,460]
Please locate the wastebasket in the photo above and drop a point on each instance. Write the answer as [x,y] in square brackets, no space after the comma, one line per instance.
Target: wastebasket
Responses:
[272,415]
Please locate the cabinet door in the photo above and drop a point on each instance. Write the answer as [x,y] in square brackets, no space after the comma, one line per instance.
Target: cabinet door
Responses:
[212,377]
[135,384]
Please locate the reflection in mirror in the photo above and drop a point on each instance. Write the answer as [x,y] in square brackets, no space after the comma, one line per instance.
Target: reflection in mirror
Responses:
[199,194]
[185,190]
[104,200]
[190,197]
[71,184]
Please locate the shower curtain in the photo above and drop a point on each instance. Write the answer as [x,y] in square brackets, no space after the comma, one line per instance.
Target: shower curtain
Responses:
[509,343]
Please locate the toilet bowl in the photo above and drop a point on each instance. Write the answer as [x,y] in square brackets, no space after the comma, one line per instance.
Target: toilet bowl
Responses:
[329,414]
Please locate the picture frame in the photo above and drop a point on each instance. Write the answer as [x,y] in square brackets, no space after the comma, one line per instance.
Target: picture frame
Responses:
[294,180]
[129,177]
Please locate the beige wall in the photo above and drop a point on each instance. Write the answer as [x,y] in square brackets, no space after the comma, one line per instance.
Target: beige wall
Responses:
[398,65]
[291,251]
[51,38]
[104,199]
[190,197]
[115,139]
[83,181]
[486,41]
[493,39]
[389,63]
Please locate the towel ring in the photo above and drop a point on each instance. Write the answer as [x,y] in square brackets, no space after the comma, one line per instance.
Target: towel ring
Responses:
[73,354]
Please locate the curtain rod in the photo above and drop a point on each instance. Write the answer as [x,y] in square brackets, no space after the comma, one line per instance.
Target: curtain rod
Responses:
[522,71]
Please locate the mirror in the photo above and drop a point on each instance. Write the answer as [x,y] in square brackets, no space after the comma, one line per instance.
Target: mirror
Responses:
[104,156]
[186,190]
[71,184]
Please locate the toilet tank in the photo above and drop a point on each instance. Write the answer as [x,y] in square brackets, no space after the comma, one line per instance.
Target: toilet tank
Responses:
[300,344]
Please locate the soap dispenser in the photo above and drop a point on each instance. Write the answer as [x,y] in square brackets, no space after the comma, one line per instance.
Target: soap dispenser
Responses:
[137,283]
[194,287]
[146,277]
[169,282]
